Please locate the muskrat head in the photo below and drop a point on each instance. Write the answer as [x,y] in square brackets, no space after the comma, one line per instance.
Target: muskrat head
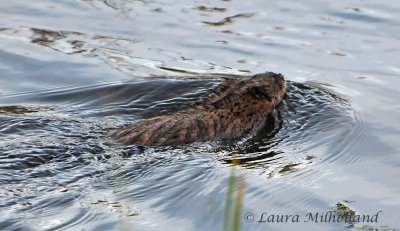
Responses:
[269,86]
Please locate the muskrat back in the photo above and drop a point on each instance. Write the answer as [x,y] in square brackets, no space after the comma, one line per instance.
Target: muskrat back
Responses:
[235,108]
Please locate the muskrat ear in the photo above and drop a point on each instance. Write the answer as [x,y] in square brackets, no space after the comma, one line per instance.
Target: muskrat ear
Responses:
[260,93]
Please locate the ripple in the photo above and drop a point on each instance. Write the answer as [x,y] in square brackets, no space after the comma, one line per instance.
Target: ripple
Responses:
[360,16]
[210,9]
[160,177]
[229,20]
[118,52]
[310,117]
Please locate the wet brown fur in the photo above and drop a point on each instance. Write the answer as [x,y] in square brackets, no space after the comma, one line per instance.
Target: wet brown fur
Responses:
[235,108]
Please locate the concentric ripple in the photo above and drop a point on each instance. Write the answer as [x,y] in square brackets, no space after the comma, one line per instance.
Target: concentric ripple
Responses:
[310,118]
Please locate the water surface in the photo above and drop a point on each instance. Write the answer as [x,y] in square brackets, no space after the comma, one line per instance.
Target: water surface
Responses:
[74,71]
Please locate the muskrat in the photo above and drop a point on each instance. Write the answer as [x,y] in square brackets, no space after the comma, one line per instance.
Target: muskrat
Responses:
[235,108]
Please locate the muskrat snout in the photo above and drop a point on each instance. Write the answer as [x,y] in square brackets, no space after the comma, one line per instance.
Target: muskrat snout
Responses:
[279,81]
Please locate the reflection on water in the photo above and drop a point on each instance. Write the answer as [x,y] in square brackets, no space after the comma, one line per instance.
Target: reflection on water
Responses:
[49,38]
[229,20]
[18,109]
[71,73]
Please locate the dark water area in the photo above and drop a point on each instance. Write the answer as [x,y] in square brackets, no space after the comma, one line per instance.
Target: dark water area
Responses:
[74,71]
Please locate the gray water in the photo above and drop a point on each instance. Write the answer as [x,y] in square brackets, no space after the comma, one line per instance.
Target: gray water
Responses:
[74,71]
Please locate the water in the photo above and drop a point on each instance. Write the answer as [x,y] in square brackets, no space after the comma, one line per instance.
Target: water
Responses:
[73,71]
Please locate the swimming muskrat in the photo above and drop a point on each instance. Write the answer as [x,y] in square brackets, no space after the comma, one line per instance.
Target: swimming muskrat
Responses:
[235,108]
